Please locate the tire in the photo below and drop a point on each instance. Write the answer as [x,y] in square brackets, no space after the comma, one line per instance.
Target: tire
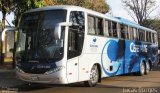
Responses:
[94,77]
[142,69]
[147,68]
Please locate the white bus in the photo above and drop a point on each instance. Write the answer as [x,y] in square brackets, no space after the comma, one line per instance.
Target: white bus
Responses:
[67,44]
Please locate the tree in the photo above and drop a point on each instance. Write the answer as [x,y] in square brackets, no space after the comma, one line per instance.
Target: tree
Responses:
[153,24]
[100,5]
[23,5]
[139,10]
[6,7]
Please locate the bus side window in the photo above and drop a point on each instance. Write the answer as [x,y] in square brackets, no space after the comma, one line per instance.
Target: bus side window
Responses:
[130,33]
[114,29]
[71,41]
[126,32]
[153,39]
[143,37]
[147,36]
[137,35]
[91,25]
[150,37]
[106,32]
[140,35]
[156,38]
[123,31]
[99,26]
[110,28]
[118,30]
[134,34]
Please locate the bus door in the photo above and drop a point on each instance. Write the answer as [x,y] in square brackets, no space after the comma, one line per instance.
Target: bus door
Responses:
[75,45]
[72,56]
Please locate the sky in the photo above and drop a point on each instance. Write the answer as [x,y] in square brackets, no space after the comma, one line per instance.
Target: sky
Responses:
[116,6]
[118,10]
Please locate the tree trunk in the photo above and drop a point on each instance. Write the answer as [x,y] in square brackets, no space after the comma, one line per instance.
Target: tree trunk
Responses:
[3,26]
[3,18]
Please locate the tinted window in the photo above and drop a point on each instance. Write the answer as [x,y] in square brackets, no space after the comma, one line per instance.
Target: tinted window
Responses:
[141,35]
[124,31]
[36,35]
[106,31]
[110,28]
[114,29]
[99,26]
[76,34]
[130,33]
[91,25]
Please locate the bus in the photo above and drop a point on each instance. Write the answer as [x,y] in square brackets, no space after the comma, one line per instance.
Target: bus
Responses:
[66,44]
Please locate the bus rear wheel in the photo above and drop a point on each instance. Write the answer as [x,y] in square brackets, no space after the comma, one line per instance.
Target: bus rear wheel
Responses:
[142,69]
[147,68]
[94,77]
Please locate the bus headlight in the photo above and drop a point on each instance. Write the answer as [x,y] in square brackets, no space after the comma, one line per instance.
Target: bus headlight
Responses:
[49,72]
[54,70]
[19,70]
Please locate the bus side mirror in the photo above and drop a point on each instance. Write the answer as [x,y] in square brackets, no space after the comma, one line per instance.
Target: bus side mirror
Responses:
[58,29]
[57,32]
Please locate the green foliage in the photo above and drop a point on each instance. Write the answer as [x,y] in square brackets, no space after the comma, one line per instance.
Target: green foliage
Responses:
[6,6]
[153,24]
[20,6]
[23,5]
[100,5]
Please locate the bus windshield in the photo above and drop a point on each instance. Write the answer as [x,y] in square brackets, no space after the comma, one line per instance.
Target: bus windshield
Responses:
[36,39]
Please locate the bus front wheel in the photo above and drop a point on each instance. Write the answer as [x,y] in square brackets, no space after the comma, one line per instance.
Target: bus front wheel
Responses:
[94,77]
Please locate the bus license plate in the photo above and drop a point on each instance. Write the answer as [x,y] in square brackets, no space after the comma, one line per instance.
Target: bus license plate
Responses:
[34,78]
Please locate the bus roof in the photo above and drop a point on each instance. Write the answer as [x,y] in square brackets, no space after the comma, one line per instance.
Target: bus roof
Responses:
[130,23]
[91,12]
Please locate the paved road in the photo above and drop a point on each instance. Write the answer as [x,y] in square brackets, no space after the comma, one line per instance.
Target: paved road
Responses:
[119,84]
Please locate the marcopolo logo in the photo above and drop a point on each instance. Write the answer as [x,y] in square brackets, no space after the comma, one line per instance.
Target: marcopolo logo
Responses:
[93,43]
[94,40]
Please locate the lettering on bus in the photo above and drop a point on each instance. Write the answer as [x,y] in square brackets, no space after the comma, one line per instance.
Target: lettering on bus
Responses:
[138,48]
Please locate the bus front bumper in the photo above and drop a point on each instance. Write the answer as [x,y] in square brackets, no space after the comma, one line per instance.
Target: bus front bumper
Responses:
[53,78]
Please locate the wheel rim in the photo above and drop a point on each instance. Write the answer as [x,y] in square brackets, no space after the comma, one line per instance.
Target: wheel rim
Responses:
[94,75]
[142,68]
[147,68]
